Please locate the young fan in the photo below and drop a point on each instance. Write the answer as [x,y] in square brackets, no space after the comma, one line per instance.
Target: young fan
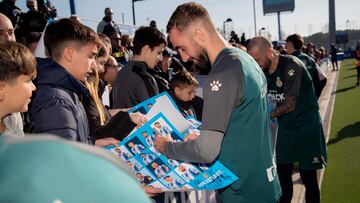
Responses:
[183,86]
[17,70]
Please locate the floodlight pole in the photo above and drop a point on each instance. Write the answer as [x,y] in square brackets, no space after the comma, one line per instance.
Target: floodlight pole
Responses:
[254,18]
[332,23]
[72,7]
[279,25]
[133,9]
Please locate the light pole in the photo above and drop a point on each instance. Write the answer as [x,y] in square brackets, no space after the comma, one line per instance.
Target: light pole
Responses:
[332,23]
[133,9]
[226,21]
[72,7]
[254,17]
[279,26]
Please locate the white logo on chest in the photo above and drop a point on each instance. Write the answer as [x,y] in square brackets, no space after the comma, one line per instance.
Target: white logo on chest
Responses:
[215,85]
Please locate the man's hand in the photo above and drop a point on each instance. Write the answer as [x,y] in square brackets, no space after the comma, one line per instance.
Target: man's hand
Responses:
[193,135]
[151,191]
[16,12]
[161,141]
[138,118]
[103,142]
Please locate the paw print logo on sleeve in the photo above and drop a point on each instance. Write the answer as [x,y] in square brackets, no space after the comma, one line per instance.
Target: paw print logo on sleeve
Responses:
[291,72]
[215,85]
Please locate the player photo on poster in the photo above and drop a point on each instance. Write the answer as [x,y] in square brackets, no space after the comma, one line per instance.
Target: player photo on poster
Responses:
[187,171]
[159,127]
[122,152]
[194,124]
[145,177]
[147,157]
[173,163]
[148,137]
[135,146]
[158,168]
[134,165]
[172,181]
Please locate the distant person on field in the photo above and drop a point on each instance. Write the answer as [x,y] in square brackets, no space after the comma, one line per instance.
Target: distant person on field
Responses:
[357,56]
[334,61]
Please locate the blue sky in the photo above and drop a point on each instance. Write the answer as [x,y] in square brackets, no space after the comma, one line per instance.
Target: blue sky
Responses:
[309,16]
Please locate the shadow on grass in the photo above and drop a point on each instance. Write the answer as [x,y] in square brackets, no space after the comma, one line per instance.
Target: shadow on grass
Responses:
[348,69]
[345,89]
[350,76]
[349,131]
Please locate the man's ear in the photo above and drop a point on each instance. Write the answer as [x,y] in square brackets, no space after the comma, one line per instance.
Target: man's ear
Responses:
[2,90]
[177,90]
[68,54]
[269,52]
[145,50]
[199,35]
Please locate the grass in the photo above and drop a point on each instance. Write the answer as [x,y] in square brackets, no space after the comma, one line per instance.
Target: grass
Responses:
[342,175]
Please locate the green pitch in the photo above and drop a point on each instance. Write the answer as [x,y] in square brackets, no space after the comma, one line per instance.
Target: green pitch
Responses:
[341,182]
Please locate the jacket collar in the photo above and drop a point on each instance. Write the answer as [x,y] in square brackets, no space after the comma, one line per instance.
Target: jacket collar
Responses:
[53,74]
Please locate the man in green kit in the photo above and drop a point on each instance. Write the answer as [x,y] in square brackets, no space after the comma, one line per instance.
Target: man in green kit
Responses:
[294,43]
[300,135]
[235,114]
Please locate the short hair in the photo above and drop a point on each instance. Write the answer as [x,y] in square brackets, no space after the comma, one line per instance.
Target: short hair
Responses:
[125,40]
[63,31]
[296,40]
[29,1]
[260,43]
[15,60]
[147,36]
[107,9]
[152,23]
[105,45]
[31,37]
[183,79]
[185,14]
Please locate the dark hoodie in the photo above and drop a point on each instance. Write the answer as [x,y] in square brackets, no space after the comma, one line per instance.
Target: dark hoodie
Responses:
[56,107]
[134,84]
[190,108]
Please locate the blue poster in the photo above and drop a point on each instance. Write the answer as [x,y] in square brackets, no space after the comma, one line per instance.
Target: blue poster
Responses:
[153,169]
[145,106]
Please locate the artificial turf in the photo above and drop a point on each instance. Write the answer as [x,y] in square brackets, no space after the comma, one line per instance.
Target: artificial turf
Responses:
[341,182]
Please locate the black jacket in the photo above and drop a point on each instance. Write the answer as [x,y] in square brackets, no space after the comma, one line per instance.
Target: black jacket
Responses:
[133,85]
[162,82]
[191,108]
[118,126]
[56,107]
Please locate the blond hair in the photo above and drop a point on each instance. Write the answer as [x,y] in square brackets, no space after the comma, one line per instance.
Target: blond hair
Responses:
[92,82]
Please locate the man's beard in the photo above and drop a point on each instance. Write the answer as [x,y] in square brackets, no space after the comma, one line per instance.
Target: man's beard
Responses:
[202,61]
[267,64]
